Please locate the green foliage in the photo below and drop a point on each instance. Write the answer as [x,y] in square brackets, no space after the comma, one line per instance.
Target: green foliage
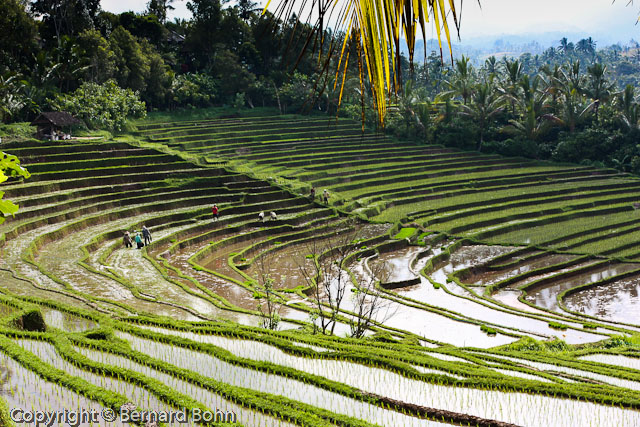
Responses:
[556,325]
[9,167]
[488,330]
[529,344]
[194,90]
[102,106]
[16,131]
[622,341]
[405,233]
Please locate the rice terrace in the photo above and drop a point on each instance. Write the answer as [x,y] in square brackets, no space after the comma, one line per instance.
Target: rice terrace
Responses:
[225,213]
[510,294]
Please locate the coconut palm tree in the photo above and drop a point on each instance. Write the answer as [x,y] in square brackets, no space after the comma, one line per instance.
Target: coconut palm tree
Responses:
[553,84]
[463,79]
[629,110]
[598,89]
[566,47]
[586,46]
[573,110]
[510,86]
[485,104]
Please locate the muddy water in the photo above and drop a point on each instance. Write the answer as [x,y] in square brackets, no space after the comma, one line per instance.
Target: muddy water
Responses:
[21,388]
[394,266]
[22,288]
[490,277]
[65,321]
[285,264]
[510,297]
[520,283]
[132,266]
[431,325]
[545,295]
[618,301]
[61,257]
[516,257]
[214,368]
[232,292]
[426,293]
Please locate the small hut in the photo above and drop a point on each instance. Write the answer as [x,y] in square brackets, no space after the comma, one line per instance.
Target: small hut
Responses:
[54,125]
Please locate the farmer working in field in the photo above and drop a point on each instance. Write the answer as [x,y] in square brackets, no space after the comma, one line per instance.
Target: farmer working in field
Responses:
[126,239]
[214,211]
[146,234]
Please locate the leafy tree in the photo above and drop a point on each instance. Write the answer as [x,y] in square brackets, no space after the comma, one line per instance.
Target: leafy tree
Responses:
[65,17]
[106,106]
[204,33]
[143,27]
[96,55]
[193,90]
[159,8]
[132,65]
[17,38]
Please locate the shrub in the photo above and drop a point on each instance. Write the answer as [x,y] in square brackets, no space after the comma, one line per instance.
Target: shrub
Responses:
[459,133]
[105,106]
[194,90]
[513,147]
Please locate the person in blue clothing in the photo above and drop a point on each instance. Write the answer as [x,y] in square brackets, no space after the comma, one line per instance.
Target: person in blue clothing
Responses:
[139,242]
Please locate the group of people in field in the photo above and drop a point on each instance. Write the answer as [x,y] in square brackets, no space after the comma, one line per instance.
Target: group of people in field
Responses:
[141,238]
[325,195]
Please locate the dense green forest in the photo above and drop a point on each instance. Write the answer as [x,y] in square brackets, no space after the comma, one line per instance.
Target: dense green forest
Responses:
[572,103]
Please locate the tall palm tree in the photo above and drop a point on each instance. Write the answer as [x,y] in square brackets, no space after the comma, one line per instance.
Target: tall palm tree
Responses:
[485,104]
[463,79]
[566,47]
[598,89]
[573,110]
[586,46]
[553,84]
[532,122]
[510,86]
[491,66]
[629,110]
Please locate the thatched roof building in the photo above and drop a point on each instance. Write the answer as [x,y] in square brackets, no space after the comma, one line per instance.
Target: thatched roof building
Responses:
[53,122]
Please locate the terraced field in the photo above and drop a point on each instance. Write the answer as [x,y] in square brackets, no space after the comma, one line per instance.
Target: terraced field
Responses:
[509,293]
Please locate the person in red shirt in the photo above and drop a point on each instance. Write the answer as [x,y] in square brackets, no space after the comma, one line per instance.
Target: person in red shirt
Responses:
[214,211]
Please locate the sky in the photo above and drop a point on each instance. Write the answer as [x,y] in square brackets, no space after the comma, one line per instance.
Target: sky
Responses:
[609,22]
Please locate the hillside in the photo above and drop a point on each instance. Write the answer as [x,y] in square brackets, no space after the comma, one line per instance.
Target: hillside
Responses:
[451,237]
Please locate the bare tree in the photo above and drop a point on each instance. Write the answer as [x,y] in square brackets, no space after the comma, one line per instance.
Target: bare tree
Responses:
[329,282]
[369,306]
[268,306]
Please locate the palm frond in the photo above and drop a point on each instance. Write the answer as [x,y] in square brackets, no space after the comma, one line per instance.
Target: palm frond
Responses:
[377,27]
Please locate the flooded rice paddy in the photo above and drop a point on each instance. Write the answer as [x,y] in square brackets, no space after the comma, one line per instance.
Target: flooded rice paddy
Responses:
[198,286]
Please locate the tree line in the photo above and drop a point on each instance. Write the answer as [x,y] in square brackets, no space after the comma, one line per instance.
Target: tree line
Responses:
[66,53]
[570,104]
